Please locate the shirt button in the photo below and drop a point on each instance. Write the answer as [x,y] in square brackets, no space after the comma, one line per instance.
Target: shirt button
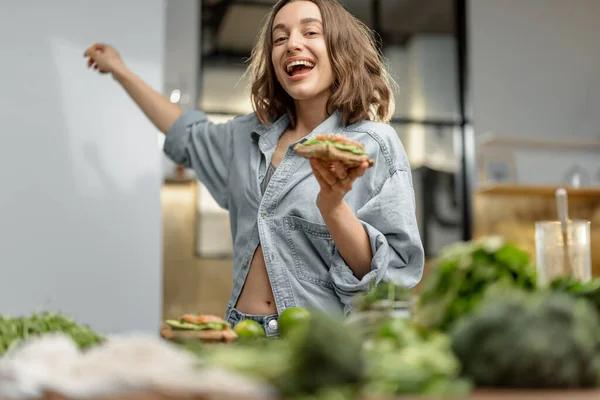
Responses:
[264,214]
[273,324]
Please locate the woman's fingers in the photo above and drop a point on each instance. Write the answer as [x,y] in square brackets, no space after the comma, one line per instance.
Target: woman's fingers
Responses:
[356,172]
[102,58]
[93,49]
[340,170]
[324,172]
[317,173]
[335,172]
[335,176]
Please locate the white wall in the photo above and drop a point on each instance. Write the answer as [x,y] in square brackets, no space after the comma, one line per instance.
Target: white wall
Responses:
[80,227]
[535,72]
[535,66]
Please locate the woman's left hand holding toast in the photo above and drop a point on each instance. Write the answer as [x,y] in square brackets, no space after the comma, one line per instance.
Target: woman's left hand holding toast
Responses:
[335,181]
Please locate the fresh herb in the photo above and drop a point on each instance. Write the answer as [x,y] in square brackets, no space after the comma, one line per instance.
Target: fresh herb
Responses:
[14,330]
[461,275]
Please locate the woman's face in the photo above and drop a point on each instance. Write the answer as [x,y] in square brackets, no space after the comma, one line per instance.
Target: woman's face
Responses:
[299,54]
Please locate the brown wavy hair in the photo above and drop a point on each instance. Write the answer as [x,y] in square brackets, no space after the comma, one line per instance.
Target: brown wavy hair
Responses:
[359,93]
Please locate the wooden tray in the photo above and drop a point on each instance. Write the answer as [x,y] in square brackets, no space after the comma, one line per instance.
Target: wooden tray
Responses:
[226,336]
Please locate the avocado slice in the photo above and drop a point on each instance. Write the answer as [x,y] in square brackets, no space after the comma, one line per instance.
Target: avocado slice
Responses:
[347,147]
[182,325]
[338,145]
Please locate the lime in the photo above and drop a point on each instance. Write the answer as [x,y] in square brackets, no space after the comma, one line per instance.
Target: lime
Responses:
[249,329]
[291,319]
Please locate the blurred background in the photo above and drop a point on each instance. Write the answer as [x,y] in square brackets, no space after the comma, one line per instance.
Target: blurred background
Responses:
[499,104]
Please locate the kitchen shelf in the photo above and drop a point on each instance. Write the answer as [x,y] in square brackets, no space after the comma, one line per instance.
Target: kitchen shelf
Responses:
[535,190]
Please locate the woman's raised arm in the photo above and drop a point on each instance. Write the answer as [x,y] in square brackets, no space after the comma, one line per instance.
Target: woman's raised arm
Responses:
[106,60]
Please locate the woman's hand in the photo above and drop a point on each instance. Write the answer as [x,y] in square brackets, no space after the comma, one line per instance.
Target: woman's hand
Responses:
[335,181]
[104,58]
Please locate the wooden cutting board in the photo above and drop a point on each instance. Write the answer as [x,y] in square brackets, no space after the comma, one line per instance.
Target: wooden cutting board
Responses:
[169,333]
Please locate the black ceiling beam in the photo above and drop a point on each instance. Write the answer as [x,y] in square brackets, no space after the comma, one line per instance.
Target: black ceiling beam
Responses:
[377,28]
[467,162]
[220,57]
[382,37]
[254,3]
[213,15]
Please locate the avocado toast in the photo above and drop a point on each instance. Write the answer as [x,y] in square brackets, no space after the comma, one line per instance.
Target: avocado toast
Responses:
[334,147]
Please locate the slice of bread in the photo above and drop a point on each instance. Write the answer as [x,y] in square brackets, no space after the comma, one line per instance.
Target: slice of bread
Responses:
[327,152]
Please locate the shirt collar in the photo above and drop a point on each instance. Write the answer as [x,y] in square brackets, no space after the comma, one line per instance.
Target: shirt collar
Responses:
[279,125]
[333,124]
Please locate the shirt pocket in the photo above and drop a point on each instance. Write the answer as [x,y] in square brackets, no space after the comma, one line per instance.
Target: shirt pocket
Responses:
[312,249]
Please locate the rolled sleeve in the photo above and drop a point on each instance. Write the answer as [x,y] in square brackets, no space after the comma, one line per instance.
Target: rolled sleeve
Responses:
[389,219]
[195,142]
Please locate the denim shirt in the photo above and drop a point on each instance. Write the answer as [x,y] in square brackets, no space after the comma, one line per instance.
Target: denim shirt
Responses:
[303,264]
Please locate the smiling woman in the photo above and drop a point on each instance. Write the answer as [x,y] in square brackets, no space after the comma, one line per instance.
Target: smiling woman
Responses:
[306,233]
[337,46]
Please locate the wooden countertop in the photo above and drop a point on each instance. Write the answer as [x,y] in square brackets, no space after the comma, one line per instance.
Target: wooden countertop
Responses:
[477,395]
[535,395]
[535,190]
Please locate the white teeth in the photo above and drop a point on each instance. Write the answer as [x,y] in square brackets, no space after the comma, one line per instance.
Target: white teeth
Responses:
[302,62]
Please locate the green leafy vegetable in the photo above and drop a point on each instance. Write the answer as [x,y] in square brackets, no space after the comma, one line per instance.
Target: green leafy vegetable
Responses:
[14,330]
[462,274]
[402,361]
[329,360]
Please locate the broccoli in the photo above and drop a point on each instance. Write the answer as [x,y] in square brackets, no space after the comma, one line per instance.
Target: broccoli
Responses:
[589,290]
[536,340]
[326,354]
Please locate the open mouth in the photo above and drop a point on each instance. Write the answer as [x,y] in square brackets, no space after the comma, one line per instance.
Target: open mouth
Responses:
[299,67]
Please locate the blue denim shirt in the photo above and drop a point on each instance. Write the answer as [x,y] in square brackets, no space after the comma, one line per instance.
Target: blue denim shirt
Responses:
[302,261]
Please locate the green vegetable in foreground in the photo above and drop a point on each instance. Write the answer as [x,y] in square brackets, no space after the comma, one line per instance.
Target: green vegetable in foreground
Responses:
[589,290]
[325,355]
[401,361]
[462,274]
[530,340]
[331,360]
[14,330]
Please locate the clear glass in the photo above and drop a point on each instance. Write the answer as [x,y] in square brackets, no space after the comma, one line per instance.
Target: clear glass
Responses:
[555,259]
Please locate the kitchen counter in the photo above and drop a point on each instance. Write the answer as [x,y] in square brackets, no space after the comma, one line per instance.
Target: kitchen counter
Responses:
[477,395]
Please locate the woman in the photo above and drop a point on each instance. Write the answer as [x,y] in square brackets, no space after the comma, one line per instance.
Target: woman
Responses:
[305,234]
